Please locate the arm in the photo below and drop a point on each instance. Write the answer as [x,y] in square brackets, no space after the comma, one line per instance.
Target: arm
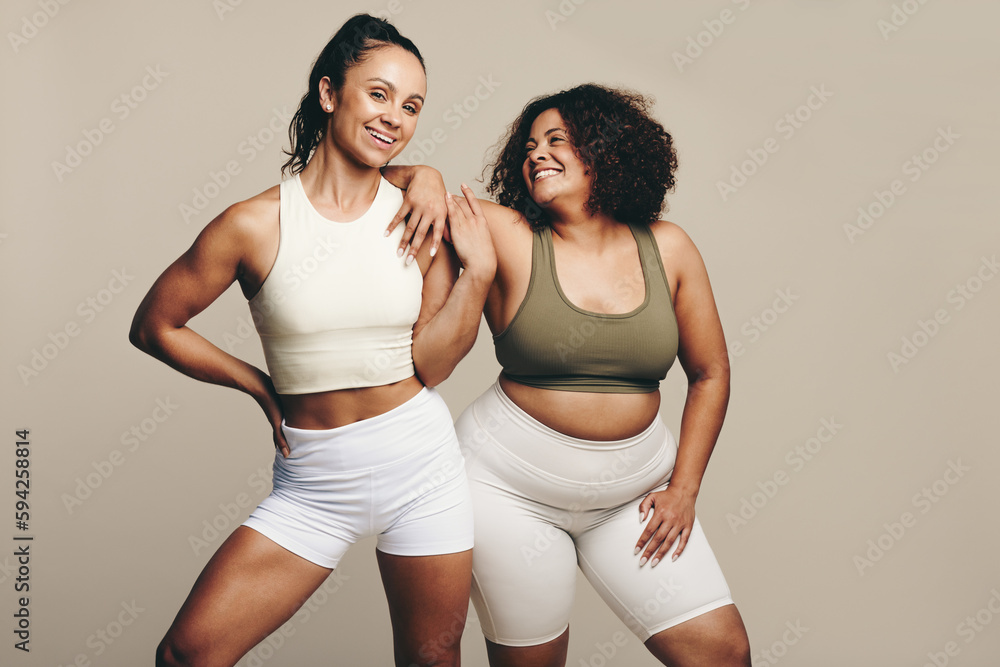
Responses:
[452,304]
[703,355]
[424,203]
[187,287]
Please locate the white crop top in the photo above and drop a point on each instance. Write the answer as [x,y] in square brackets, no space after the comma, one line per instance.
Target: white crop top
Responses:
[337,309]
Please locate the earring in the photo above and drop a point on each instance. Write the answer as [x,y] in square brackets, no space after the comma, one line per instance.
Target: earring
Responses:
[329,107]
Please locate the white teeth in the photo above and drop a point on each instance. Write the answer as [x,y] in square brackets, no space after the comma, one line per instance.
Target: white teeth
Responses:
[379,135]
[545,172]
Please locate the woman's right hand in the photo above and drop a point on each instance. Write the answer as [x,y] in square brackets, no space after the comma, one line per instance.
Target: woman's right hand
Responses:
[270,403]
[219,256]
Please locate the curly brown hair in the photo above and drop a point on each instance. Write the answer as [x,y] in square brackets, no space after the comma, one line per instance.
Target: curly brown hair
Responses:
[630,155]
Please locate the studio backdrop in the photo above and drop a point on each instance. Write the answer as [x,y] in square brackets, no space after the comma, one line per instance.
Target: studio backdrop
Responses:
[838,170]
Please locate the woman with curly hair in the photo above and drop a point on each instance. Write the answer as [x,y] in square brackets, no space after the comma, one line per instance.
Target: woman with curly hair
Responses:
[569,460]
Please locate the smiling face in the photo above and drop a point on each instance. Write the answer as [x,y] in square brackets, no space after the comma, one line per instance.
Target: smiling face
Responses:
[552,169]
[375,113]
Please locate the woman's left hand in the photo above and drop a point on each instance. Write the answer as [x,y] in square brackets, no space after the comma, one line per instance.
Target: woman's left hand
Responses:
[471,234]
[672,520]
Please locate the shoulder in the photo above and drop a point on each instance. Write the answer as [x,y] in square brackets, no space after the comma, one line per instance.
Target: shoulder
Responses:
[670,236]
[241,231]
[509,229]
[680,255]
[673,241]
[250,221]
[504,220]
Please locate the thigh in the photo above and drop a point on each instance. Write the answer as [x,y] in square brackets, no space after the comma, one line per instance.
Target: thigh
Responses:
[428,601]
[425,503]
[714,639]
[550,654]
[246,591]
[524,568]
[649,599]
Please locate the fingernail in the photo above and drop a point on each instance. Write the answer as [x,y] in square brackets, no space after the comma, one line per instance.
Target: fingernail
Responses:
[642,561]
[387,232]
[409,260]
[642,517]
[674,557]
[399,252]
[637,550]
[433,250]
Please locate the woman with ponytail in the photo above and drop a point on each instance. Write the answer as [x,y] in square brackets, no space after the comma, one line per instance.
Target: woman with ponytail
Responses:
[354,346]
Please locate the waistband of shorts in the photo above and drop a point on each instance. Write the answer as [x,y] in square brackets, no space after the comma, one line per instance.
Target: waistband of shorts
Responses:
[503,429]
[420,423]
[514,412]
[403,410]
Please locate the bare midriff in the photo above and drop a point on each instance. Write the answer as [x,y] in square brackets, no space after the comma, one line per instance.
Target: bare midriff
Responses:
[586,415]
[333,409]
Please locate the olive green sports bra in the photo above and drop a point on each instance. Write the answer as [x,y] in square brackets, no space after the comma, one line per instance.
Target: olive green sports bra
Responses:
[553,344]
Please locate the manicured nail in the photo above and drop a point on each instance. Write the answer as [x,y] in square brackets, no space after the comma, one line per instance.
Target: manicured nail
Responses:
[637,550]
[674,557]
[654,562]
[409,260]
[387,232]
[399,252]
[433,250]
[642,561]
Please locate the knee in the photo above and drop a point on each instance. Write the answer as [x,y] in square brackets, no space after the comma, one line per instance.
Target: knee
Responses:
[167,654]
[437,655]
[174,653]
[736,646]
[449,659]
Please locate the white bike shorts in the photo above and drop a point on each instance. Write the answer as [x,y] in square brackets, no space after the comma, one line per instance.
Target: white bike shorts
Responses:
[546,502]
[399,475]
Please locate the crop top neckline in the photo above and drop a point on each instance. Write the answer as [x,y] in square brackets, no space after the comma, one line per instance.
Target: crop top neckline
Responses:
[546,239]
[337,308]
[297,183]
[550,343]
[589,313]
[300,193]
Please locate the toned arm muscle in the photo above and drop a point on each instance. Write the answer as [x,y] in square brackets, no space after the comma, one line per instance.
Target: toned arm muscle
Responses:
[188,286]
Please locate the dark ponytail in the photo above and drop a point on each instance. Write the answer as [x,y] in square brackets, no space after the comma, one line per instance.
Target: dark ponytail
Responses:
[361,34]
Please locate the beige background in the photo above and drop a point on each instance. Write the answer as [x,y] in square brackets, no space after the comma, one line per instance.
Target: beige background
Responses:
[223,76]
